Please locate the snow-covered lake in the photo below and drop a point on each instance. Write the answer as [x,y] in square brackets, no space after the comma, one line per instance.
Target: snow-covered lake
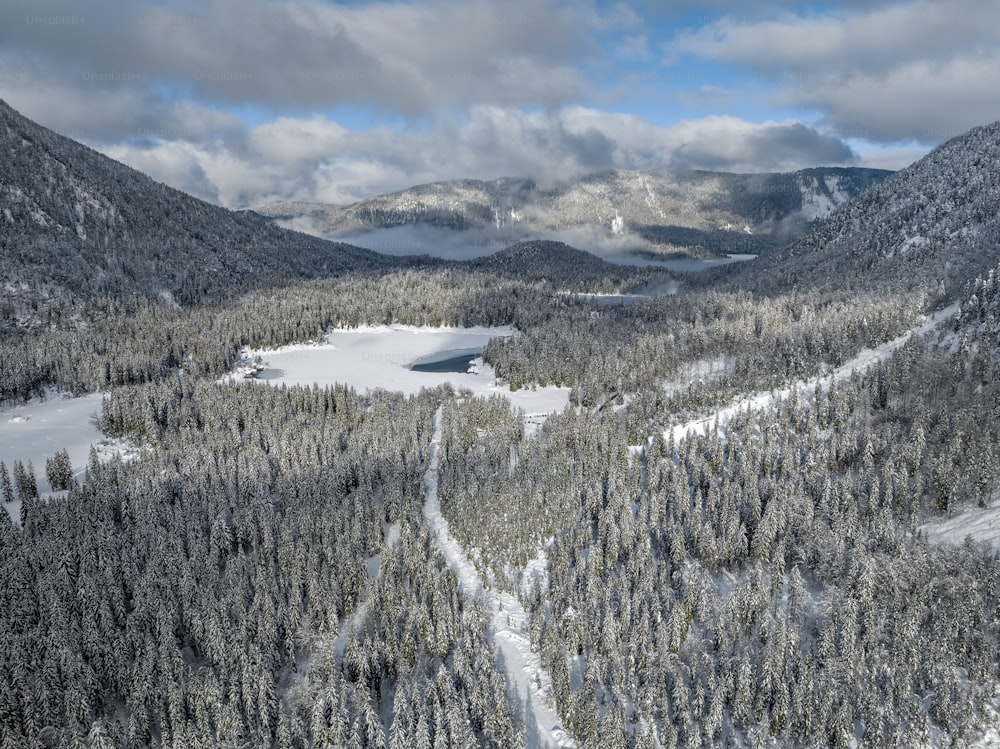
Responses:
[369,358]
[684,264]
[39,429]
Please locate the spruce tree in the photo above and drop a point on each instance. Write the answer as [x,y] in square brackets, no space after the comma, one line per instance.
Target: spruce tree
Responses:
[5,485]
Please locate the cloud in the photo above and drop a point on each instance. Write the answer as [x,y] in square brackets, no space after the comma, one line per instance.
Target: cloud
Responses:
[245,101]
[921,101]
[398,57]
[915,70]
[318,160]
[892,159]
[634,48]
[729,144]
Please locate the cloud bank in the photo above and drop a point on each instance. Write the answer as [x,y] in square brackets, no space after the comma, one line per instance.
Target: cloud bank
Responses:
[921,71]
[245,101]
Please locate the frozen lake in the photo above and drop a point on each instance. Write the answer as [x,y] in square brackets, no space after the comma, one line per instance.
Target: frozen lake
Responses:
[40,428]
[684,264]
[404,359]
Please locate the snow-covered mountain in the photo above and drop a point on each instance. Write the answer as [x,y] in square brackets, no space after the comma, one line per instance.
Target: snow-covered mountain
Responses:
[707,210]
[931,226]
[74,222]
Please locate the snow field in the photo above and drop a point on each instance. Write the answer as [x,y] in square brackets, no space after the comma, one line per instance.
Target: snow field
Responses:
[369,358]
[39,429]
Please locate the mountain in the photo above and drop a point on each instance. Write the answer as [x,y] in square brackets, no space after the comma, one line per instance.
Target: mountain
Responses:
[563,266]
[933,226]
[75,223]
[707,211]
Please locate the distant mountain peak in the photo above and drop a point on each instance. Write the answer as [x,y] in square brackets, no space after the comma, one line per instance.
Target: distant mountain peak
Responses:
[669,211]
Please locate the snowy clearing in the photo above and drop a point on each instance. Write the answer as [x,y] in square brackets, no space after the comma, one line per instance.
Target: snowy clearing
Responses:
[510,622]
[866,358]
[981,523]
[380,357]
[40,428]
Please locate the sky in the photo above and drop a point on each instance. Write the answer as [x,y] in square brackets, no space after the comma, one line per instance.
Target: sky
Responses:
[242,102]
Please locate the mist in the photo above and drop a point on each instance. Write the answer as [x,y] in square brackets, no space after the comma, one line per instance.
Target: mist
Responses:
[468,244]
[449,244]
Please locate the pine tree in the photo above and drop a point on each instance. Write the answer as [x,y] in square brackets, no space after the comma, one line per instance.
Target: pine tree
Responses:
[59,471]
[24,480]
[5,485]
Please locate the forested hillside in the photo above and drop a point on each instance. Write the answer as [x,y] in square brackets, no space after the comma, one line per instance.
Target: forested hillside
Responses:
[931,227]
[77,225]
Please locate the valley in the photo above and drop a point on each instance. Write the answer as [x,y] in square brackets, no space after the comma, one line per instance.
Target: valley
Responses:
[531,496]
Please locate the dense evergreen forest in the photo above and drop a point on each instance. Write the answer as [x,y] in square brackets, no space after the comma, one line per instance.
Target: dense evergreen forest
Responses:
[265,573]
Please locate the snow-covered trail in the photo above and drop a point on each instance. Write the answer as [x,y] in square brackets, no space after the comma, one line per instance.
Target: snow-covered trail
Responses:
[510,622]
[865,359]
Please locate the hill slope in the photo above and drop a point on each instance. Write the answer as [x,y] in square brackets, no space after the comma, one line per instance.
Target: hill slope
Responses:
[75,223]
[563,266]
[933,226]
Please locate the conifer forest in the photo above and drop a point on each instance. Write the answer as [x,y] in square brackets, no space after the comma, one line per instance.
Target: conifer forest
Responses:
[737,530]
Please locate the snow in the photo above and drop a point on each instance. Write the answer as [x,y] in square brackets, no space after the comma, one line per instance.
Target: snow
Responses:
[815,204]
[379,357]
[805,388]
[698,371]
[40,428]
[618,224]
[510,622]
[651,200]
[168,299]
[613,300]
[982,524]
[991,736]
[680,265]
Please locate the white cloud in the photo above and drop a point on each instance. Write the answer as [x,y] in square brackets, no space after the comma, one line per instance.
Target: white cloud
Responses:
[291,140]
[316,159]
[893,159]
[923,101]
[922,70]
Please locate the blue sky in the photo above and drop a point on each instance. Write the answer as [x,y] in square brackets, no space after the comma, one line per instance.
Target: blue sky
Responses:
[245,101]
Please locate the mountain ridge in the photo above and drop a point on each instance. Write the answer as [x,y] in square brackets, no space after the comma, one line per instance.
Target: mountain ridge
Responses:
[754,212]
[75,222]
[932,226]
